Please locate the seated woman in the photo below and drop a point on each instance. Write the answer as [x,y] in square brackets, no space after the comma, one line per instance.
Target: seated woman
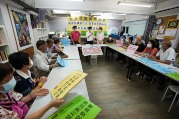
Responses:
[26,81]
[13,104]
[57,49]
[150,50]
[128,42]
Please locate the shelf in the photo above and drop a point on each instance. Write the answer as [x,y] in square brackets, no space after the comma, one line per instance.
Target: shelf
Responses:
[4,61]
[3,44]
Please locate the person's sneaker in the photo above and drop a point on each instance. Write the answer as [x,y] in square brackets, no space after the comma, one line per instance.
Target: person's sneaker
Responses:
[138,73]
[169,97]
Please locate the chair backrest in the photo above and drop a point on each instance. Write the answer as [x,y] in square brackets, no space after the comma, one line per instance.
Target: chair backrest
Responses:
[177,60]
[65,42]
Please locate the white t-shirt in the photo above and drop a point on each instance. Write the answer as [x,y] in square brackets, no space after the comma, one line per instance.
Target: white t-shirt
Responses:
[89,38]
[169,54]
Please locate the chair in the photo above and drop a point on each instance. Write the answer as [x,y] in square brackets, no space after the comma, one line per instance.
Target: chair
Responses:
[174,89]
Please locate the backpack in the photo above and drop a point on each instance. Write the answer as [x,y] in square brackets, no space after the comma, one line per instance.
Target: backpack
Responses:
[16,106]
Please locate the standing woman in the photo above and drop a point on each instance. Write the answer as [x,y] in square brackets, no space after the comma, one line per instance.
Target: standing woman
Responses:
[75,35]
[100,36]
[89,35]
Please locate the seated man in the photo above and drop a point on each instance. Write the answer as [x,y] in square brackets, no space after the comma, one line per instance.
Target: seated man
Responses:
[140,44]
[165,55]
[42,65]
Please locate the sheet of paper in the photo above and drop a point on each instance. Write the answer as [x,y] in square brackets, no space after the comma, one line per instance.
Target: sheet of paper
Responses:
[119,43]
[174,76]
[92,50]
[120,49]
[78,108]
[67,84]
[170,32]
[132,48]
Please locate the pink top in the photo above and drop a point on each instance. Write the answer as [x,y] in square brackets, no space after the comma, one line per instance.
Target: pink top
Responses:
[75,35]
[100,36]
[152,52]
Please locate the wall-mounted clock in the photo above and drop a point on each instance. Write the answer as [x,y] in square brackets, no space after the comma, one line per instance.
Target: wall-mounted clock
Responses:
[159,21]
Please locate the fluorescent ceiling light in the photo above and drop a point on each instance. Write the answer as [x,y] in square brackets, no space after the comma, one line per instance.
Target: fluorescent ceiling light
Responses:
[135,5]
[75,0]
[121,14]
[59,11]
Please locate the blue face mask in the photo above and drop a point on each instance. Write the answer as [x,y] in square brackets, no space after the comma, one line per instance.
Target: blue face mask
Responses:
[160,46]
[9,86]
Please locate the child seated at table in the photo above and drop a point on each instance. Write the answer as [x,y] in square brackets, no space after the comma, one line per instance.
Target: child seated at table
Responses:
[13,104]
[109,41]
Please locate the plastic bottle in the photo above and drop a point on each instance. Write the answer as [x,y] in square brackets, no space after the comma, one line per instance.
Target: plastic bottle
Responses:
[172,63]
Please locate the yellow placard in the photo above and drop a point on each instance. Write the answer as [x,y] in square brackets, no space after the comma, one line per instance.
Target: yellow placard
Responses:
[67,84]
[120,49]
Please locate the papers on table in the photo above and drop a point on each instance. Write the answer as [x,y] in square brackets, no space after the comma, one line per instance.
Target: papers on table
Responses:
[119,43]
[78,108]
[67,84]
[174,75]
[92,50]
[120,49]
[156,66]
[63,63]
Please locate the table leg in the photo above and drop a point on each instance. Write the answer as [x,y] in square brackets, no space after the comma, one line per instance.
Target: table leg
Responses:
[130,72]
[129,68]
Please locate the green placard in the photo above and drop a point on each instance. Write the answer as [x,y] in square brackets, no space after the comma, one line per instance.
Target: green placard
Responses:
[174,76]
[78,108]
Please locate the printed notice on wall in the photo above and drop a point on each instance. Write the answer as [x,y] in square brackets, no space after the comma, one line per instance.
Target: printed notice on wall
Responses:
[67,84]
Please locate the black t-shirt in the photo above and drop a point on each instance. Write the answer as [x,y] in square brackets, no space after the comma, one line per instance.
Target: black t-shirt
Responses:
[110,41]
[24,86]
[141,47]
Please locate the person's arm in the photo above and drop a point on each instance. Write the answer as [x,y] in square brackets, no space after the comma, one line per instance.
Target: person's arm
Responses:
[34,93]
[38,114]
[161,61]
[71,38]
[154,52]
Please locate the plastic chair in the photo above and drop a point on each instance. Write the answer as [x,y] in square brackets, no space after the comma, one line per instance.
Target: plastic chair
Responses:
[174,89]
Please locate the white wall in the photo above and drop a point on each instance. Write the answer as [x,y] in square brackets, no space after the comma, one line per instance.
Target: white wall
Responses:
[136,27]
[61,23]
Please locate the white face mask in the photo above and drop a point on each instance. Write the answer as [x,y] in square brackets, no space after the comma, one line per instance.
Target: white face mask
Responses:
[110,38]
[149,45]
[9,86]
[126,40]
[31,64]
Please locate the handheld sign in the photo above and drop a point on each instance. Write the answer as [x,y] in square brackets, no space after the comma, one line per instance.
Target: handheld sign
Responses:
[119,43]
[78,108]
[67,84]
[92,50]
[132,48]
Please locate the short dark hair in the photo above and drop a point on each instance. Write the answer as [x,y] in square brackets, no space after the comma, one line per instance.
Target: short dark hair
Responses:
[19,59]
[89,28]
[5,70]
[40,43]
[49,41]
[57,40]
[110,35]
[101,28]
[131,38]
[74,27]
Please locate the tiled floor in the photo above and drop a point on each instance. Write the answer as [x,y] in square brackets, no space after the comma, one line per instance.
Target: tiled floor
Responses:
[119,99]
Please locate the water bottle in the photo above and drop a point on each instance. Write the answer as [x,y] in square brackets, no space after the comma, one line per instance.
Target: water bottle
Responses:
[172,63]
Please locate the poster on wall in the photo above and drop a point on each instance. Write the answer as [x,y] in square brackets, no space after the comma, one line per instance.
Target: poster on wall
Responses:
[161,29]
[83,23]
[20,25]
[172,28]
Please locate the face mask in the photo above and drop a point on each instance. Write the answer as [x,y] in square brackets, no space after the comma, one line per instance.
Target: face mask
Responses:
[110,38]
[160,46]
[149,45]
[9,86]
[31,63]
[99,30]
[126,40]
